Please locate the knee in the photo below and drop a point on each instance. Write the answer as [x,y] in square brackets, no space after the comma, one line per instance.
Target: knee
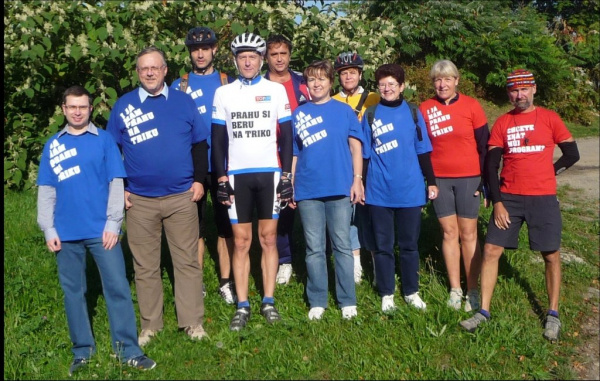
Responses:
[551,257]
[450,233]
[492,252]
[268,240]
[242,243]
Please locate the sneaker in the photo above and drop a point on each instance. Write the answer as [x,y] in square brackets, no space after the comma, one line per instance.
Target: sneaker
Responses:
[415,301]
[455,299]
[357,269]
[227,292]
[473,322]
[284,273]
[316,313]
[195,332]
[203,290]
[472,302]
[349,312]
[552,328]
[142,362]
[76,364]
[387,303]
[240,319]
[270,313]
[145,336]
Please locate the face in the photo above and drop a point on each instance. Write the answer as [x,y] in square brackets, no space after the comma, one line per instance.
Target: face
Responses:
[77,110]
[349,78]
[249,63]
[202,56]
[445,87]
[389,88]
[522,98]
[278,58]
[152,69]
[319,87]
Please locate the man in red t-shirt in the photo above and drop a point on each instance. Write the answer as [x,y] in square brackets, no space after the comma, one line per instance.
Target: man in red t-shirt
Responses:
[526,192]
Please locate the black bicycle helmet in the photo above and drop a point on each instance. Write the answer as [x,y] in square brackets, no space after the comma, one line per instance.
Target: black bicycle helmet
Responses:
[348,59]
[200,35]
[248,42]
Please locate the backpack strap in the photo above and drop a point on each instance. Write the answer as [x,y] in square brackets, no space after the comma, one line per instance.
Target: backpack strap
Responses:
[413,110]
[370,113]
[361,102]
[224,79]
[184,82]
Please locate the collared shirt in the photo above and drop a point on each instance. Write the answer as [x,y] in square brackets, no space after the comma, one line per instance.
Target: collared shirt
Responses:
[144,94]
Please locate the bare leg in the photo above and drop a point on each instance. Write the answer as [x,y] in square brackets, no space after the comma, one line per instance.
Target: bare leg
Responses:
[553,275]
[267,235]
[470,250]
[489,273]
[451,249]
[242,238]
[225,252]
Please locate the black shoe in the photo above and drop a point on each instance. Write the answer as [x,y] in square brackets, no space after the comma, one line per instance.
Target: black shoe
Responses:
[240,319]
[270,313]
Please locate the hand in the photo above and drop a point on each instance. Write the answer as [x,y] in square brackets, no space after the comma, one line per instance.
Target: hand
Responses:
[225,193]
[501,217]
[432,192]
[197,190]
[128,203]
[357,192]
[54,244]
[285,189]
[109,240]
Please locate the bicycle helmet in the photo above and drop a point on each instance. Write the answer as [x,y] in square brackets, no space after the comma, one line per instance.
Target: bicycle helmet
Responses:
[200,35]
[348,59]
[249,42]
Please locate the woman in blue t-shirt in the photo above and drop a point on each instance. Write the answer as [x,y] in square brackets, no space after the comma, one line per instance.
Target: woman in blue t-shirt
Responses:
[395,190]
[327,169]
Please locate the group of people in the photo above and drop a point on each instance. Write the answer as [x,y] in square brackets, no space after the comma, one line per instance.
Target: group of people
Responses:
[358,166]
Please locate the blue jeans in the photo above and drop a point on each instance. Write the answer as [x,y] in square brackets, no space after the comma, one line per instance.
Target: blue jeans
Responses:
[334,214]
[71,261]
[408,225]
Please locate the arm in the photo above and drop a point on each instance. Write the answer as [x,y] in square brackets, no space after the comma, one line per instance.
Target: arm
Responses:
[482,135]
[570,155]
[285,145]
[492,164]
[220,141]
[46,205]
[427,169]
[200,160]
[357,191]
[114,213]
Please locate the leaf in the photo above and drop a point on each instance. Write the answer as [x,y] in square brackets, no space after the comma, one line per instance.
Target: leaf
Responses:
[112,93]
[29,92]
[124,82]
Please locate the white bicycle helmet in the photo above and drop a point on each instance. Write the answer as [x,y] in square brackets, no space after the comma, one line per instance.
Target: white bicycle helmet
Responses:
[248,42]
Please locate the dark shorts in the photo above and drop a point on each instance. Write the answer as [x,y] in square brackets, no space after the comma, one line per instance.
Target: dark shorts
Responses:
[542,215]
[254,190]
[219,210]
[456,197]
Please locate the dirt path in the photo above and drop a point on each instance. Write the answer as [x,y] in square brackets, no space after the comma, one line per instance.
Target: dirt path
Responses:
[584,176]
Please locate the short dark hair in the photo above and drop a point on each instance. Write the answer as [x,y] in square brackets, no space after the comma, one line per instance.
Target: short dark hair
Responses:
[276,39]
[151,49]
[390,70]
[320,67]
[76,91]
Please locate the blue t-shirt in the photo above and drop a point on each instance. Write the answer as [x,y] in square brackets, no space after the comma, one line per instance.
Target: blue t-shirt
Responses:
[156,137]
[324,161]
[80,168]
[202,90]
[394,177]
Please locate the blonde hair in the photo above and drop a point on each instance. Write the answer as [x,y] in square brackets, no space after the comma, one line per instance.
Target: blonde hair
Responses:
[443,68]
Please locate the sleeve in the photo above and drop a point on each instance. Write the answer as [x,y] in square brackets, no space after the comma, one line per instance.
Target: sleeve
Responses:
[200,160]
[482,135]
[219,147]
[114,208]
[218,111]
[114,124]
[296,141]
[424,145]
[46,205]
[285,145]
[496,139]
[367,138]
[284,111]
[114,160]
[560,132]
[200,130]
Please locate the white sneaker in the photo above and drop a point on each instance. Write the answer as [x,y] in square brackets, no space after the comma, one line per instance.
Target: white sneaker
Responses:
[455,299]
[349,312]
[387,303]
[415,301]
[357,269]
[227,292]
[472,303]
[195,332]
[145,336]
[316,313]
[284,273]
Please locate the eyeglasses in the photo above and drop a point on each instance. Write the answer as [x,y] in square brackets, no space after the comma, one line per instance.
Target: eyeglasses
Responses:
[73,108]
[145,70]
[391,86]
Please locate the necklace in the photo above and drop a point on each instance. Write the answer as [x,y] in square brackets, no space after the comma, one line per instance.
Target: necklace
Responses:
[526,139]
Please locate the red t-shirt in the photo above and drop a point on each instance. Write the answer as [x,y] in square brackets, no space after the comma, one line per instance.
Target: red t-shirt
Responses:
[451,131]
[289,89]
[528,142]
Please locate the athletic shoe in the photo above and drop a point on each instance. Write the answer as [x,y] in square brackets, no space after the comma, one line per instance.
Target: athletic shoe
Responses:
[473,322]
[349,312]
[552,328]
[455,299]
[316,313]
[357,269]
[472,302]
[76,364]
[284,273]
[146,335]
[387,303]
[195,332]
[227,292]
[415,301]
[270,313]
[240,319]
[142,362]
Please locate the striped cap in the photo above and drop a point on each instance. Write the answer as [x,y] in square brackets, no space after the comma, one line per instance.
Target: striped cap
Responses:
[520,78]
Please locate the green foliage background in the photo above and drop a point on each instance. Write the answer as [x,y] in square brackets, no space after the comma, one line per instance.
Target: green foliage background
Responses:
[51,45]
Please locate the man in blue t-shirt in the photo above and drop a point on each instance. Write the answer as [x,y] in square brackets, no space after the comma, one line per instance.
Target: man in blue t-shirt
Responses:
[80,208]
[201,84]
[163,140]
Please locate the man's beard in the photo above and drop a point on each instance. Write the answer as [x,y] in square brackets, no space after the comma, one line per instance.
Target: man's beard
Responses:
[522,105]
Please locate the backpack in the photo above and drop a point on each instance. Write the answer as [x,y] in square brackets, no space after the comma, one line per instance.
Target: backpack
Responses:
[361,102]
[184,81]
[370,112]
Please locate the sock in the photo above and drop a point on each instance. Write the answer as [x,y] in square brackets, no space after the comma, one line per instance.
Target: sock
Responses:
[223,282]
[268,300]
[553,313]
[244,304]
[484,313]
